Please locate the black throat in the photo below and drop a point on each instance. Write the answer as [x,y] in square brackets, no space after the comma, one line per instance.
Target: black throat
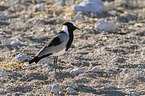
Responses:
[71,36]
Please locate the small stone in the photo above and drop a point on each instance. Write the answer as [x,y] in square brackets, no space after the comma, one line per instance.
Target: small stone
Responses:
[58,20]
[71,90]
[91,6]
[121,2]
[59,4]
[135,94]
[2,17]
[6,42]
[51,28]
[69,66]
[55,87]
[76,71]
[46,67]
[42,29]
[21,57]
[16,42]
[105,25]
[79,16]
[2,3]
[95,69]
[3,72]
[109,6]
[61,93]
[40,7]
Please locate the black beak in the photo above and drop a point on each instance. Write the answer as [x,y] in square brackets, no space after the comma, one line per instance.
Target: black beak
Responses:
[77,28]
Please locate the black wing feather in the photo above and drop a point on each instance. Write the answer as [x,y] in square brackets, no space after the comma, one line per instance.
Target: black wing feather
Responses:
[56,41]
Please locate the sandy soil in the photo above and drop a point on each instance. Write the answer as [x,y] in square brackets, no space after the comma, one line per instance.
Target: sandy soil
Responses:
[118,55]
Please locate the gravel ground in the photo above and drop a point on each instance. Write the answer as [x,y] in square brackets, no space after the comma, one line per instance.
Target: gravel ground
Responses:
[98,62]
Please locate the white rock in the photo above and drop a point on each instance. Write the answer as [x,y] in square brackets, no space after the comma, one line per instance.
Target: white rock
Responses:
[95,69]
[80,17]
[40,7]
[91,6]
[6,42]
[59,4]
[76,71]
[21,57]
[55,87]
[105,25]
[16,42]
[32,46]
[3,72]
[71,90]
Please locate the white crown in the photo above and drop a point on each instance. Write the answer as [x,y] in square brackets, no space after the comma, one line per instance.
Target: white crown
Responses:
[73,23]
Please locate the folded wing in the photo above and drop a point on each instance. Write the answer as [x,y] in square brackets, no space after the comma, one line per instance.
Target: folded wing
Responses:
[55,45]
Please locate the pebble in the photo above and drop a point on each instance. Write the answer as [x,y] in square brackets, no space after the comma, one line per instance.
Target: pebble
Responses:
[91,6]
[55,87]
[95,69]
[135,94]
[71,90]
[105,25]
[109,6]
[119,2]
[59,4]
[2,17]
[16,42]
[51,28]
[3,72]
[6,42]
[76,71]
[20,57]
[79,16]
[40,7]
[46,68]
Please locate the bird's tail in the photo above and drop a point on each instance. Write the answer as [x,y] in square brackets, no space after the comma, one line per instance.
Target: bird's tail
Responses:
[35,59]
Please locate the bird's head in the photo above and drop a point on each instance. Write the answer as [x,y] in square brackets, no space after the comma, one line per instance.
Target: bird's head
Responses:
[69,27]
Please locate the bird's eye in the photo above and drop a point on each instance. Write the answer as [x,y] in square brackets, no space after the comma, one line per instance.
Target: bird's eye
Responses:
[71,25]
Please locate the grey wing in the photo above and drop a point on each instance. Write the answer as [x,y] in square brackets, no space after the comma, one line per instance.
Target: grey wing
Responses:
[55,45]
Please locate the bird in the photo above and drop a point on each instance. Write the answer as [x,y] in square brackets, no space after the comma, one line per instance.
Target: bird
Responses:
[58,45]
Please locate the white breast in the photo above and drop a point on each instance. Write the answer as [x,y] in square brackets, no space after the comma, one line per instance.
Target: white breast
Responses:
[59,53]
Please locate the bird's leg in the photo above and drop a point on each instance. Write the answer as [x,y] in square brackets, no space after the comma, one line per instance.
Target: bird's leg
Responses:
[55,63]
